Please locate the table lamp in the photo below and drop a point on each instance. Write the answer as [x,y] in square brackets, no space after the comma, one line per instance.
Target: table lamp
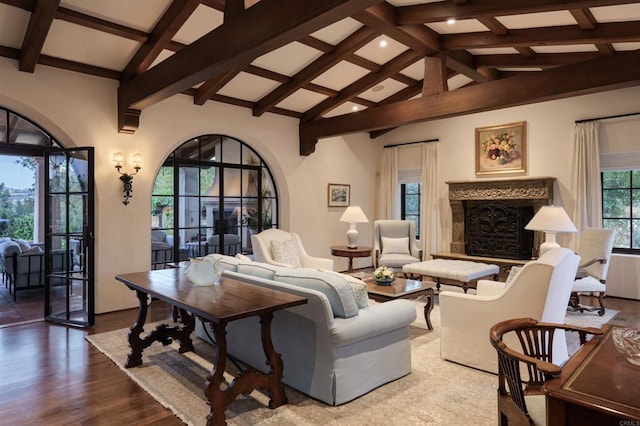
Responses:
[353,215]
[550,220]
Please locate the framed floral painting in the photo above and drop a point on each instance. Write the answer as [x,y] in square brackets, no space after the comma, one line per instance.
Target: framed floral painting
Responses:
[501,149]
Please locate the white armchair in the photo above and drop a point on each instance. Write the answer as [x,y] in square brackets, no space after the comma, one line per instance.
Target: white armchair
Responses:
[394,243]
[540,290]
[263,250]
[595,250]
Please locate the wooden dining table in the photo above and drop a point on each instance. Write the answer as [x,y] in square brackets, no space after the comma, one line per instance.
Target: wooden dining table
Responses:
[216,305]
[597,386]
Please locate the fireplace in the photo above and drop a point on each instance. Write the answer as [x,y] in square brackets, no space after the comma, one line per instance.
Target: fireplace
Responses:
[489,216]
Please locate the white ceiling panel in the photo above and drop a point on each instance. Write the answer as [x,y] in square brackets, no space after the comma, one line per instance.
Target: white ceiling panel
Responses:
[626,46]
[202,21]
[565,48]
[462,26]
[623,12]
[335,33]
[374,52]
[161,57]
[248,87]
[302,100]
[520,69]
[493,51]
[536,20]
[457,81]
[87,46]
[415,71]
[289,59]
[345,108]
[14,25]
[340,76]
[410,2]
[139,14]
[382,90]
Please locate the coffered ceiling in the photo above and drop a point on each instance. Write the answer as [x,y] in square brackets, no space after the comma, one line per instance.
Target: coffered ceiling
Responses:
[339,66]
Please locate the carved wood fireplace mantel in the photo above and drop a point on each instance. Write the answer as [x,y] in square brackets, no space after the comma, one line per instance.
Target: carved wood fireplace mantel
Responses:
[518,192]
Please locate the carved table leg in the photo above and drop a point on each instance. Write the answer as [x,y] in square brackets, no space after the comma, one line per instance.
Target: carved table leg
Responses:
[428,307]
[274,360]
[217,399]
[135,343]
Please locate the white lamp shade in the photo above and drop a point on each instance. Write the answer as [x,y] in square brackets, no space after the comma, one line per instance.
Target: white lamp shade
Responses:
[551,219]
[353,214]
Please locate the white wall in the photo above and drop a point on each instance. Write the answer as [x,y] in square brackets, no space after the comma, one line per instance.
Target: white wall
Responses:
[550,127]
[80,110]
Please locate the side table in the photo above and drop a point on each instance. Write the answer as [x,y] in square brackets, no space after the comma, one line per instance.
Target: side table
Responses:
[344,251]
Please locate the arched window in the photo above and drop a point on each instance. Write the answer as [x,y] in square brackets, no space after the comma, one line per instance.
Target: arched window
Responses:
[209,196]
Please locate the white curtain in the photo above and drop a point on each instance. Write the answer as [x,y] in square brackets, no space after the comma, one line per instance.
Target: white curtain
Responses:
[430,228]
[388,202]
[586,185]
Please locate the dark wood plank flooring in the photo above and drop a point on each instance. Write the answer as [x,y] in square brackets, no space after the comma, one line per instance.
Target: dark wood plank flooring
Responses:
[51,375]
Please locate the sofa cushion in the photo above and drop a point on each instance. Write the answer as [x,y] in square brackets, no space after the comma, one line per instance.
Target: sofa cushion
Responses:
[286,252]
[259,269]
[24,244]
[158,236]
[395,245]
[32,249]
[334,287]
[241,256]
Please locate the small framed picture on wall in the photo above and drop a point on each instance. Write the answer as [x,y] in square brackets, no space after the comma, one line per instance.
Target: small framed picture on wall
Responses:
[338,195]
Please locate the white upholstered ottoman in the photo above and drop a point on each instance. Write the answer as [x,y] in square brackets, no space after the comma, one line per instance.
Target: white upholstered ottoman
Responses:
[459,271]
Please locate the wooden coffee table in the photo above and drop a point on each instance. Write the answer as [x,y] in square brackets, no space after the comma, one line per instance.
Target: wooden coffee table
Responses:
[403,288]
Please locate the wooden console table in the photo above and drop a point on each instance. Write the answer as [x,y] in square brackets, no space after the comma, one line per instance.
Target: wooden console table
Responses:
[505,265]
[216,305]
[597,386]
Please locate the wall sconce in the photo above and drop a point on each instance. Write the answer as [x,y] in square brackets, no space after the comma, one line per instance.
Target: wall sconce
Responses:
[126,178]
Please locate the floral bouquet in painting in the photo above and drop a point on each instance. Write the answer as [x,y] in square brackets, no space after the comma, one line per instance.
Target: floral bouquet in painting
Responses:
[501,147]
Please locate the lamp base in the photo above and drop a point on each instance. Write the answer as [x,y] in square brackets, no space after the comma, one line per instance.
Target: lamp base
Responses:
[352,236]
[549,243]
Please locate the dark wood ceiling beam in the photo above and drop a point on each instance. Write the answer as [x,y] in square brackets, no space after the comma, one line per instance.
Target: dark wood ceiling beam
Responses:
[464,63]
[165,29]
[392,67]
[614,32]
[65,64]
[381,18]
[264,27]
[497,28]
[212,86]
[443,10]
[540,60]
[570,80]
[37,30]
[355,41]
[587,21]
[98,24]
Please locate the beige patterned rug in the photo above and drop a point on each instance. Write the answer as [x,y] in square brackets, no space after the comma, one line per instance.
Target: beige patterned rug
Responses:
[436,392]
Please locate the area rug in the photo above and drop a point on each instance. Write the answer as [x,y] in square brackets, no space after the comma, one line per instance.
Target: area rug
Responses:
[436,392]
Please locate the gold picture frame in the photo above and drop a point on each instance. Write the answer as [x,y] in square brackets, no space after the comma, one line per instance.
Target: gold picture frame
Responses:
[338,195]
[501,149]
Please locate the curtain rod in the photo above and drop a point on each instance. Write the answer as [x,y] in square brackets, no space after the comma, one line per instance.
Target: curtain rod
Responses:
[606,118]
[411,143]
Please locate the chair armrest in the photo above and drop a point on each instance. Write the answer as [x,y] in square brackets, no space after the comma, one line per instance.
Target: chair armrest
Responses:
[592,261]
[375,320]
[490,288]
[316,262]
[376,256]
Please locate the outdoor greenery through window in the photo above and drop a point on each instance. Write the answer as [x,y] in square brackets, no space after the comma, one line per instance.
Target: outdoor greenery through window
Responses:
[621,208]
[410,204]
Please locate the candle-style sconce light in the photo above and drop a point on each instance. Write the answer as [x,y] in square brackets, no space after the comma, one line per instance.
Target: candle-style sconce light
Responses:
[126,178]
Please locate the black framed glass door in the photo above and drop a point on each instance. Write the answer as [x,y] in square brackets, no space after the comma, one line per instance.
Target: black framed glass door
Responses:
[69,213]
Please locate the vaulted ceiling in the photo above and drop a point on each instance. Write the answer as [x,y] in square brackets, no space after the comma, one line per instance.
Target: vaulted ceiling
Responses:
[339,66]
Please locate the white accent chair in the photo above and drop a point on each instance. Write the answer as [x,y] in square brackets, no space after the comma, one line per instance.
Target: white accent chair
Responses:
[400,248]
[595,249]
[540,290]
[261,244]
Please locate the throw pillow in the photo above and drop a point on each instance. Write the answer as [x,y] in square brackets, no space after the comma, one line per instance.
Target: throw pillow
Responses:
[242,257]
[286,252]
[24,244]
[33,249]
[512,273]
[358,287]
[395,245]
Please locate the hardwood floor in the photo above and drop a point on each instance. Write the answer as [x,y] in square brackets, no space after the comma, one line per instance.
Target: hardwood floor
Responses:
[51,375]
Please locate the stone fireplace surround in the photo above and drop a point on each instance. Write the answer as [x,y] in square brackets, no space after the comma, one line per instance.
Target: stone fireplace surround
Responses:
[526,191]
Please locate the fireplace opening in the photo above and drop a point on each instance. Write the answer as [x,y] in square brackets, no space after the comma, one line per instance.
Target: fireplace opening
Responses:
[496,229]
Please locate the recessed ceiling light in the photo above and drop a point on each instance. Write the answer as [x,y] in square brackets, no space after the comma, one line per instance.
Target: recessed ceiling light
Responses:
[354,108]
[383,43]
[451,21]
[378,88]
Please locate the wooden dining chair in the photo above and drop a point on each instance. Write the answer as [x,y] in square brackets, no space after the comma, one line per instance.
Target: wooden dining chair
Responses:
[520,400]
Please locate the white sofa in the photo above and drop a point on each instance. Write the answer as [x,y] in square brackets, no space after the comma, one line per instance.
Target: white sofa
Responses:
[332,350]
[540,290]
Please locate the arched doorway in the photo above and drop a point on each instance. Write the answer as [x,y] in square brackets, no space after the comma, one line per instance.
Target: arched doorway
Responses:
[56,265]
[209,196]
